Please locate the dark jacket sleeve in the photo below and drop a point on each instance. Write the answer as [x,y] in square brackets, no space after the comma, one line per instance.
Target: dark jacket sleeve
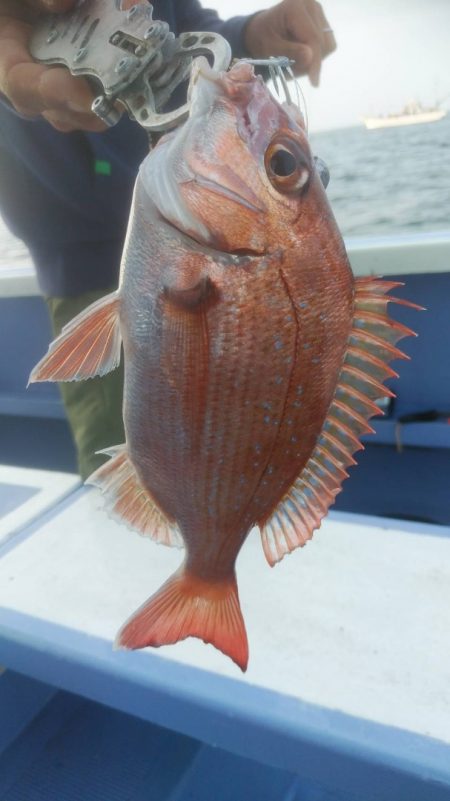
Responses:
[191,16]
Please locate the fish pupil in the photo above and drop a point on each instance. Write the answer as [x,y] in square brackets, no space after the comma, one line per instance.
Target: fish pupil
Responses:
[283,163]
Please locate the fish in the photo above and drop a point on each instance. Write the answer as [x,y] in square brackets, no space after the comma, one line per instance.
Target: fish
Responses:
[253,357]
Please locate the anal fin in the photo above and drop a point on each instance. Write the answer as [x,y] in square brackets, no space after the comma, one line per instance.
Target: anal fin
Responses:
[130,502]
[87,346]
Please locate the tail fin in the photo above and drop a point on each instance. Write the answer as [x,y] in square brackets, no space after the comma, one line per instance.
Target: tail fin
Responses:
[187,606]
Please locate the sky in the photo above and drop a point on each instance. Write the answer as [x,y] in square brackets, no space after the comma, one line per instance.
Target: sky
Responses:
[389,52]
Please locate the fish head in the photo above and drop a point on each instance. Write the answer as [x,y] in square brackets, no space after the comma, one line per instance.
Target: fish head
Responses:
[239,175]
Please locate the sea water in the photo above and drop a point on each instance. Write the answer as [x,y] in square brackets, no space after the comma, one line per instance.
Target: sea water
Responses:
[391,180]
[388,180]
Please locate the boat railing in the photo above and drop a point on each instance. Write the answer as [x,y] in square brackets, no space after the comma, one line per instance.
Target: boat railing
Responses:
[403,253]
[416,421]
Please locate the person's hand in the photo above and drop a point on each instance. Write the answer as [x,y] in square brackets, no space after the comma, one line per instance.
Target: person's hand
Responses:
[34,89]
[294,28]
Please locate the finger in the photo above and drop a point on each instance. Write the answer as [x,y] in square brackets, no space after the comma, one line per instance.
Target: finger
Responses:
[39,90]
[14,58]
[67,122]
[304,29]
[301,54]
[328,40]
[33,88]
[58,121]
[57,83]
[57,88]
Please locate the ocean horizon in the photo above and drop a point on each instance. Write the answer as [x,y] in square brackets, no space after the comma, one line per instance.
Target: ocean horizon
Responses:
[386,181]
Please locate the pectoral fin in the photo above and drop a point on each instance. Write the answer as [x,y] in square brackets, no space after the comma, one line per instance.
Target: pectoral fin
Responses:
[89,345]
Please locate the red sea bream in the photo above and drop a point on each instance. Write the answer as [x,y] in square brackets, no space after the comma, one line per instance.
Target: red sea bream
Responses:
[253,358]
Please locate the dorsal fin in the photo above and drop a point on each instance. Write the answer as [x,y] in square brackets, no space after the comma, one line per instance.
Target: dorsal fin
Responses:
[371,346]
[129,501]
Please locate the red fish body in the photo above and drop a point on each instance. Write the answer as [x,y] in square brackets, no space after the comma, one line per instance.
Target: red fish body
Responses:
[252,357]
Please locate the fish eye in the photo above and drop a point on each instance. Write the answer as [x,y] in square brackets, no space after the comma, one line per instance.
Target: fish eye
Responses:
[286,165]
[282,163]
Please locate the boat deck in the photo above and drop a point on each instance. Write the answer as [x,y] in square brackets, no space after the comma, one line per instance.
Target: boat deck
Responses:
[347,685]
[347,693]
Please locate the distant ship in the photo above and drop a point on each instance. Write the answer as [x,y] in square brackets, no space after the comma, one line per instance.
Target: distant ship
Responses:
[413,114]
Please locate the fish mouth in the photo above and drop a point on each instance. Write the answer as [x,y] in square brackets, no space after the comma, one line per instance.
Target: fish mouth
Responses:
[225,192]
[171,208]
[237,255]
[240,72]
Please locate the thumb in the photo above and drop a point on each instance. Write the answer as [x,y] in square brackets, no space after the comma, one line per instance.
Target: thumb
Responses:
[301,54]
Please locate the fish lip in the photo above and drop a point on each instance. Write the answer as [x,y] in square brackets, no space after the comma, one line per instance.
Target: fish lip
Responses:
[223,191]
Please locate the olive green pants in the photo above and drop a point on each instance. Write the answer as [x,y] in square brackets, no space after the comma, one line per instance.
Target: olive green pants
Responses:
[94,406]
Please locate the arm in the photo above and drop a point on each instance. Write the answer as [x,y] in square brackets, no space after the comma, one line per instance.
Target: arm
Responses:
[295,28]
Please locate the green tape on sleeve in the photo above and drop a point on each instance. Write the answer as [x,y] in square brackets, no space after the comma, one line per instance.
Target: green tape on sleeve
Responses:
[102,167]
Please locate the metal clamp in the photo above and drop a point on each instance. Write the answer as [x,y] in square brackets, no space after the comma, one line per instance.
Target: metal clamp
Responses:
[128,57]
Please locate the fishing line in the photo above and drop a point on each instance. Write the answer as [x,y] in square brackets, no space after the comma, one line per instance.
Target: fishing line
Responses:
[277,67]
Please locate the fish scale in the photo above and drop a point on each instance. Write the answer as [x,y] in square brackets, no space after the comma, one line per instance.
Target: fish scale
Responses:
[253,358]
[317,384]
[248,425]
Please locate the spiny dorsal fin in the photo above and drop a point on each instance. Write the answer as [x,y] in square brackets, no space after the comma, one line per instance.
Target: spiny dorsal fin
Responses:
[130,502]
[371,346]
[87,346]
